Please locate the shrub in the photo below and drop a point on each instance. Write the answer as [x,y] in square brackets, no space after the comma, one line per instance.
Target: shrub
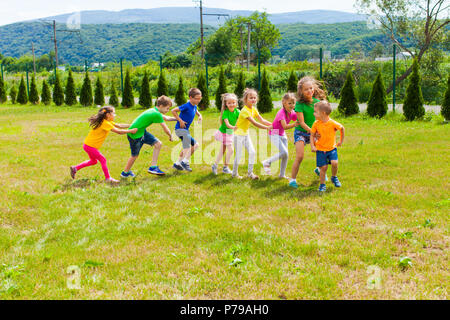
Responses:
[377,105]
[413,105]
[348,104]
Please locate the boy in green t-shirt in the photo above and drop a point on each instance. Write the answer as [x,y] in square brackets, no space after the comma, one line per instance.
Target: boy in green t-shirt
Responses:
[142,136]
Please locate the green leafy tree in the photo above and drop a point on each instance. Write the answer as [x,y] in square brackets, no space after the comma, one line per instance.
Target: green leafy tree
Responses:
[34,94]
[22,96]
[377,105]
[145,97]
[180,96]
[13,94]
[201,85]
[219,47]
[163,88]
[240,87]
[113,100]
[413,104]
[99,97]
[292,82]
[265,100]
[70,93]
[127,96]
[45,95]
[221,89]
[348,104]
[86,91]
[445,110]
[3,97]
[58,94]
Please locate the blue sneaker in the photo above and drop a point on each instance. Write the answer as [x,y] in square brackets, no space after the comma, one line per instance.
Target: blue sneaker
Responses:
[322,188]
[336,182]
[293,184]
[317,171]
[155,170]
[186,166]
[127,174]
[178,167]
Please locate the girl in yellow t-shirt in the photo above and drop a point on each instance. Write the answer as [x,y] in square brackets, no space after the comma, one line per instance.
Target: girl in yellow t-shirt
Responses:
[241,136]
[102,123]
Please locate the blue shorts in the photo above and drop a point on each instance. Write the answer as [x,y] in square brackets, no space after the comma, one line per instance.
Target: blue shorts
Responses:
[185,138]
[325,157]
[301,136]
[136,144]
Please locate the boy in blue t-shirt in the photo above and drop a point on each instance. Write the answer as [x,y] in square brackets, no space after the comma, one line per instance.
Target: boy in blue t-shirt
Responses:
[187,114]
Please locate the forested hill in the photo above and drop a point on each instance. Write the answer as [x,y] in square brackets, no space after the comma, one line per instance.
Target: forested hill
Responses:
[140,42]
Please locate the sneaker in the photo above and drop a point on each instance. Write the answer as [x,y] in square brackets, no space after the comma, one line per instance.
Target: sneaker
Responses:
[186,166]
[178,167]
[293,184]
[322,187]
[112,181]
[336,182]
[317,171]
[73,171]
[266,166]
[237,176]
[283,177]
[227,170]
[156,170]
[253,176]
[127,174]
[214,168]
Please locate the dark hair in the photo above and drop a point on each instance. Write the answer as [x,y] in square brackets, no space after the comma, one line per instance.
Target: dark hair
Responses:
[319,93]
[96,120]
[163,101]
[193,92]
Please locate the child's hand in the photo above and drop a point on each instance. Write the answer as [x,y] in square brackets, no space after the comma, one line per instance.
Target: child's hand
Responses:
[200,119]
[182,124]
[170,138]
[134,130]
[313,149]
[339,144]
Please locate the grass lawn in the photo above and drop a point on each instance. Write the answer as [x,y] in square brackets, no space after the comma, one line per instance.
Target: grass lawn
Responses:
[383,235]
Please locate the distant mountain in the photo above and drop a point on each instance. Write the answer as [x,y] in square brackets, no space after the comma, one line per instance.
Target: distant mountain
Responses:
[192,15]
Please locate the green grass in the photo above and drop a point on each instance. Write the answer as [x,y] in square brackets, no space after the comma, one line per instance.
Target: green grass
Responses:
[199,236]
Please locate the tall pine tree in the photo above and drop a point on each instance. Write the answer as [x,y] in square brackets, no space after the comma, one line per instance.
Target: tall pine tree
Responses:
[34,94]
[292,82]
[3,97]
[145,97]
[348,105]
[99,97]
[221,89]
[163,88]
[265,100]
[127,97]
[86,92]
[201,85]
[377,104]
[180,96]
[22,96]
[240,87]
[58,94]
[45,95]
[70,93]
[13,94]
[445,110]
[413,104]
[113,100]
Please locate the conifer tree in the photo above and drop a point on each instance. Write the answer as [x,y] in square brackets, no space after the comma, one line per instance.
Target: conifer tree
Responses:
[201,85]
[145,97]
[3,96]
[221,89]
[348,104]
[22,97]
[34,94]
[113,100]
[86,92]
[265,100]
[70,94]
[58,94]
[13,94]
[377,104]
[163,88]
[127,97]
[240,87]
[413,105]
[45,96]
[180,96]
[445,110]
[292,82]
[99,97]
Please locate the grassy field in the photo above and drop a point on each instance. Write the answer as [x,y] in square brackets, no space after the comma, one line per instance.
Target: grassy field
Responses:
[383,235]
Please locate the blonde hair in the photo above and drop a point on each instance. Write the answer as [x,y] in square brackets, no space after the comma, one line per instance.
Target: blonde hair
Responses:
[225,98]
[324,106]
[289,96]
[319,93]
[248,91]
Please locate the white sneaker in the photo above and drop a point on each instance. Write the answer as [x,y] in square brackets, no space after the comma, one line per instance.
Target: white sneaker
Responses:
[237,176]
[112,181]
[266,166]
[227,170]
[214,168]
[253,176]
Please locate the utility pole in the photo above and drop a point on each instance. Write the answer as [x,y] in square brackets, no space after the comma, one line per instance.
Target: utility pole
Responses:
[242,46]
[34,59]
[248,46]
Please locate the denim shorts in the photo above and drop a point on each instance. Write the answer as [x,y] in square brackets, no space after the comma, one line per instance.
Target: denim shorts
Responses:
[301,136]
[325,157]
[185,138]
[136,144]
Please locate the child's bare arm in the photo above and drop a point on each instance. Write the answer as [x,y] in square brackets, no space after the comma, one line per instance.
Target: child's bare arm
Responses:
[227,123]
[287,126]
[166,118]
[121,126]
[259,125]
[166,130]
[177,117]
[121,131]
[341,140]
[199,116]
[264,121]
[301,122]
[313,142]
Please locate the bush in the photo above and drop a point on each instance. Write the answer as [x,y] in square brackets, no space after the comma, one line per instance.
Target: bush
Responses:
[292,82]
[221,89]
[58,95]
[413,105]
[86,91]
[145,97]
[71,95]
[127,96]
[348,104]
[445,110]
[3,97]
[265,100]
[22,96]
[45,95]
[13,94]
[201,85]
[113,100]
[163,88]
[240,87]
[99,97]
[377,105]
[180,97]
[34,94]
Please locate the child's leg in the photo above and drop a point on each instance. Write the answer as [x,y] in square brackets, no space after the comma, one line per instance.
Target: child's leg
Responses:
[130,163]
[323,172]
[156,149]
[230,152]
[92,157]
[220,154]
[278,141]
[251,153]
[238,144]
[284,155]
[334,168]
[97,154]
[299,153]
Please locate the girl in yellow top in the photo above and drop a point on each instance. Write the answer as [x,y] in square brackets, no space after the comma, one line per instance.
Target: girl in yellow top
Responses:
[241,137]
[102,123]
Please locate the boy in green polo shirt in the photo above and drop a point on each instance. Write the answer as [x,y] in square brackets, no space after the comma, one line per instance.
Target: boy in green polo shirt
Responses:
[142,136]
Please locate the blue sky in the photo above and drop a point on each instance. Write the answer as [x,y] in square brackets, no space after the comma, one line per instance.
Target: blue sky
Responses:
[20,10]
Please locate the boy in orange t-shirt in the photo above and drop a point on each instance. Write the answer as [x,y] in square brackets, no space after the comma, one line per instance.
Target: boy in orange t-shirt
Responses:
[325,146]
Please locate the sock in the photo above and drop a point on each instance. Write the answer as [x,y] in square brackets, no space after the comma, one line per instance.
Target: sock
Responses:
[290,180]
[178,162]
[185,160]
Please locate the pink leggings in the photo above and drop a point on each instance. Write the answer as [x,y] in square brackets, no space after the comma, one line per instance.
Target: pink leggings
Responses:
[94,156]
